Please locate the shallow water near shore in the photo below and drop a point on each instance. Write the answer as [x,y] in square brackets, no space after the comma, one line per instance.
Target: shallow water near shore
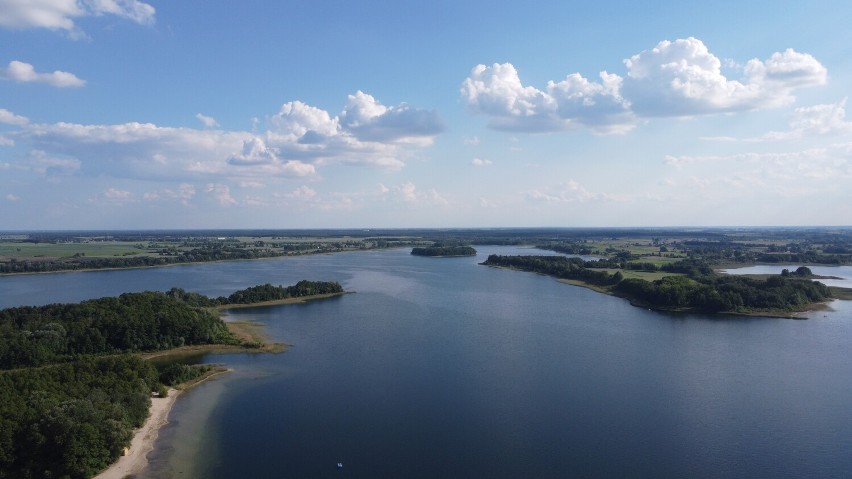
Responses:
[440,367]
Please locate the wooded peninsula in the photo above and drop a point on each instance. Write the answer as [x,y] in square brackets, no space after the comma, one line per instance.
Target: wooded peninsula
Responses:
[73,385]
[693,286]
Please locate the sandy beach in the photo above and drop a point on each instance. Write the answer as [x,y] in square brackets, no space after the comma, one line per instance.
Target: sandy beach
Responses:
[143,440]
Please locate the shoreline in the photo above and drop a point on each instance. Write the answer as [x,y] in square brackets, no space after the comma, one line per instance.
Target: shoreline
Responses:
[143,440]
[778,313]
[276,302]
[145,437]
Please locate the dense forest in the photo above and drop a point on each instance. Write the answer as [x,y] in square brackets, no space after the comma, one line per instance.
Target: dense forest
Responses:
[444,249]
[71,391]
[72,420]
[697,288]
[258,294]
[132,322]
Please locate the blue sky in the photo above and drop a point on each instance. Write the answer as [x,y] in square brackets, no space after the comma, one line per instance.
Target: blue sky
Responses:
[122,114]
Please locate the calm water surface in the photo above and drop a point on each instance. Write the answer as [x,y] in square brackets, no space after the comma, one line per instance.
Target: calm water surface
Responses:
[444,368]
[841,275]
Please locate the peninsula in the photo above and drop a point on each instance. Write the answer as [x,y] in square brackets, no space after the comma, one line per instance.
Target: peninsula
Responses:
[76,387]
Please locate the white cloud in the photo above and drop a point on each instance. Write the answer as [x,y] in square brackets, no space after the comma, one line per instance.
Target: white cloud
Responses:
[9,118]
[302,193]
[816,120]
[682,78]
[805,122]
[407,192]
[13,198]
[300,140]
[222,194]
[365,133]
[118,196]
[674,79]
[570,192]
[787,171]
[369,120]
[259,157]
[25,73]
[207,121]
[60,14]
[138,150]
[45,164]
[497,91]
[480,162]
[184,193]
[821,119]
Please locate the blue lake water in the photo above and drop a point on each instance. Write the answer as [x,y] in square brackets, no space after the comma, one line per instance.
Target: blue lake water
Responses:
[841,275]
[440,367]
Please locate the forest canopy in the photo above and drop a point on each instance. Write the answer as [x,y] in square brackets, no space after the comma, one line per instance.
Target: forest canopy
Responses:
[697,288]
[71,388]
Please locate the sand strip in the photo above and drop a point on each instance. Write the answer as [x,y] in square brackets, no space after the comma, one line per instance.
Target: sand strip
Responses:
[143,440]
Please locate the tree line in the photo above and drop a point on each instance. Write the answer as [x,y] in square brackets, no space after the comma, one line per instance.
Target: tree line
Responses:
[439,249]
[72,420]
[71,389]
[258,294]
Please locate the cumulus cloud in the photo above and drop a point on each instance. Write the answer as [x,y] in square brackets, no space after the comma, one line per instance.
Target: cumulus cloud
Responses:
[256,154]
[682,78]
[808,121]
[207,121]
[815,120]
[9,118]
[298,141]
[480,162]
[497,91]
[11,197]
[60,14]
[674,79]
[365,133]
[25,73]
[138,150]
[369,120]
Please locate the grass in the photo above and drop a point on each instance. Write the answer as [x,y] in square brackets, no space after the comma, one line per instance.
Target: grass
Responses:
[107,249]
[646,275]
[841,293]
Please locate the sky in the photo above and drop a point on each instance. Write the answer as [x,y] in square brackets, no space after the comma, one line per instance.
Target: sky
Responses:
[128,114]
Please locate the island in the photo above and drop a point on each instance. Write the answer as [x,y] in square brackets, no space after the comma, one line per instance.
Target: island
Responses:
[684,285]
[444,249]
[76,380]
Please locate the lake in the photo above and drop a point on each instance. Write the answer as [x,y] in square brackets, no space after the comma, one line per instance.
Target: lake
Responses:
[440,367]
[841,275]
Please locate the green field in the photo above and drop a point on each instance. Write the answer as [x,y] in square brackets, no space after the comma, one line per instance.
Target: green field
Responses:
[646,275]
[66,250]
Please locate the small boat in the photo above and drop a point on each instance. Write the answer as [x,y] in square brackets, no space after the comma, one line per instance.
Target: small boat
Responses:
[340,465]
